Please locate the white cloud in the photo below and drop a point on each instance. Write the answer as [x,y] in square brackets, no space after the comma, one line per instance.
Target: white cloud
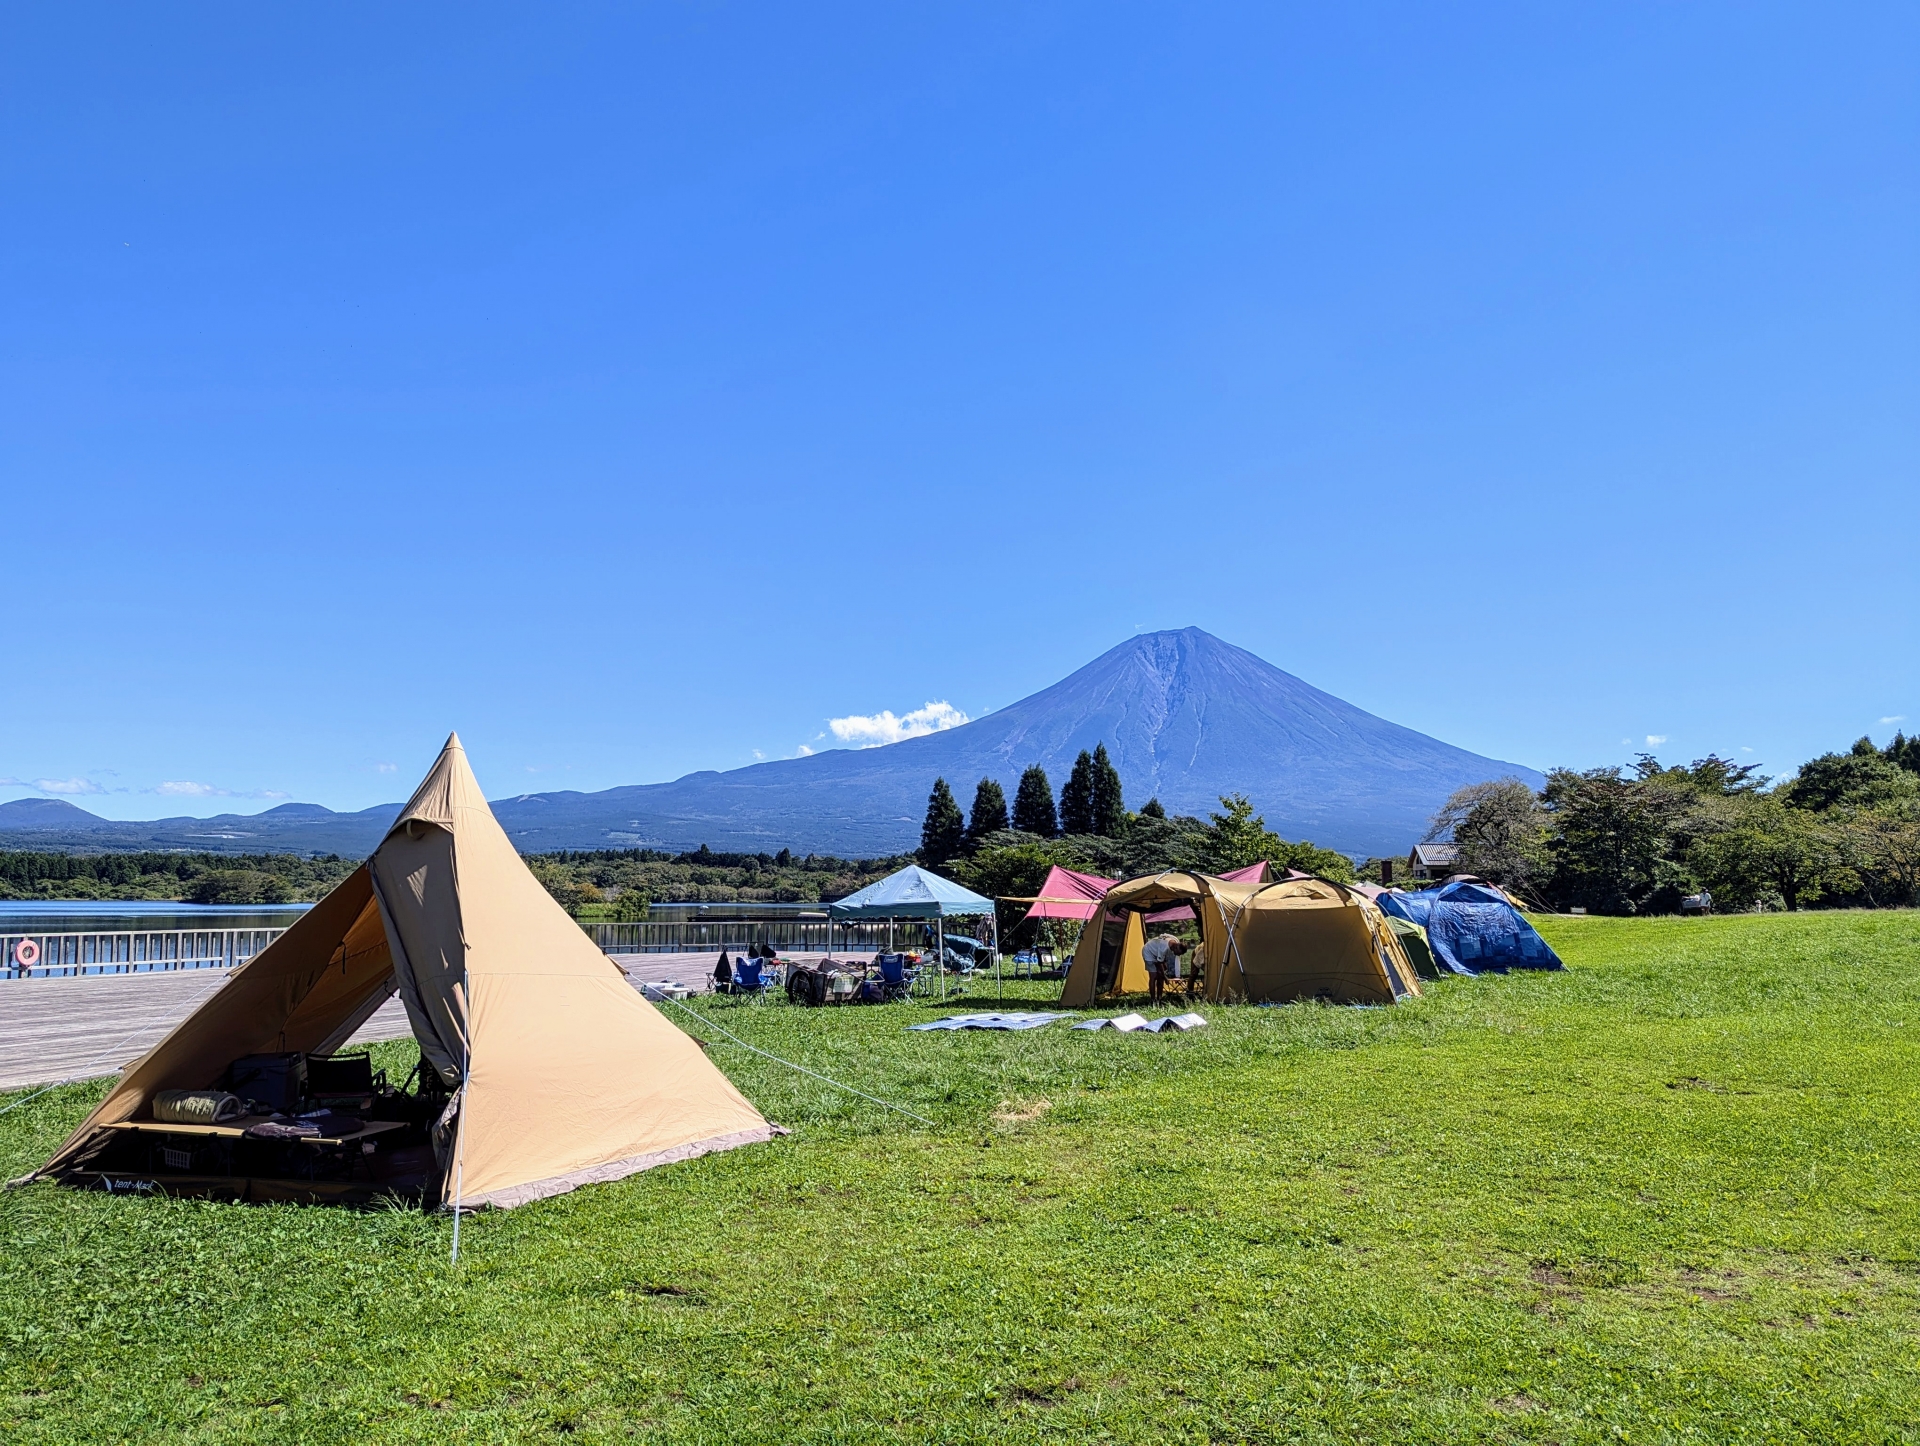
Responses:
[881,728]
[805,752]
[13,783]
[1626,743]
[67,785]
[386,768]
[758,754]
[187,788]
[1653,738]
[1894,718]
[1746,750]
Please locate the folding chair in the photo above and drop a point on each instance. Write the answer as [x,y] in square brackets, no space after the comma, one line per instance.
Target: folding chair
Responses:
[896,979]
[748,978]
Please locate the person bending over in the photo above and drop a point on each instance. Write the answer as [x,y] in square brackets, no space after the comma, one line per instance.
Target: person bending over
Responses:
[1162,958]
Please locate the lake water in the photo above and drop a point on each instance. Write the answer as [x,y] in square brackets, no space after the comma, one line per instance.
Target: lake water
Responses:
[40,916]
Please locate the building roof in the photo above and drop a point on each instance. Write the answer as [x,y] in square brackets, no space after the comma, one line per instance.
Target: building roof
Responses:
[1435,855]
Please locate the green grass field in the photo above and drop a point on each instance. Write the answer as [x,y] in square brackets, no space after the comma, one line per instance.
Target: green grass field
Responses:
[1668,1195]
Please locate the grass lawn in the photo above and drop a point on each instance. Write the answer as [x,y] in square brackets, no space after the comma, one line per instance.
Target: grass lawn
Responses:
[1668,1195]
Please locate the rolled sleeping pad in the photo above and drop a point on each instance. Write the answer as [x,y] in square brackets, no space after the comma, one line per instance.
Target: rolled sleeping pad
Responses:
[196,1107]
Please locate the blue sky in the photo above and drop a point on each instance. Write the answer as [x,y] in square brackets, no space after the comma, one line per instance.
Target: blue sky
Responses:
[637,388]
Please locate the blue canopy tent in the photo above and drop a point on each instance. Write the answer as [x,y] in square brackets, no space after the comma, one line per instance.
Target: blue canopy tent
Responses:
[1472,927]
[914,893]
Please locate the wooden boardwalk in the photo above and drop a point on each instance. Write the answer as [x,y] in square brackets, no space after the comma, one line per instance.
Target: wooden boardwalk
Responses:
[55,1029]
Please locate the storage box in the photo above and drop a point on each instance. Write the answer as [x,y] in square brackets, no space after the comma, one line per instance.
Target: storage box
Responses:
[278,1081]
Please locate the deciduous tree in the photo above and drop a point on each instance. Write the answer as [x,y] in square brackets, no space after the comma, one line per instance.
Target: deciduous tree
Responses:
[1237,837]
[1500,829]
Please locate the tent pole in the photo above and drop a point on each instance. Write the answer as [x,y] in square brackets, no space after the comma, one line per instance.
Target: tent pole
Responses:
[940,951]
[999,985]
[460,1156]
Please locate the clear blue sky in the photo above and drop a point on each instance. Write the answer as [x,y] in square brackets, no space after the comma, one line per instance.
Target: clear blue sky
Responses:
[637,387]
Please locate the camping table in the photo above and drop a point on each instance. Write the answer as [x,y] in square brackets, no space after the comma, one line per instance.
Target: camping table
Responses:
[233,1130]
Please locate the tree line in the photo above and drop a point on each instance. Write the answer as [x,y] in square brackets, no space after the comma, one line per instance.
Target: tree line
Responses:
[176,877]
[1843,831]
[618,884]
[621,885]
[1006,854]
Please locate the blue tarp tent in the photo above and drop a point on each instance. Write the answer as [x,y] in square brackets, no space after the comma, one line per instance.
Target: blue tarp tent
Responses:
[913,893]
[1471,928]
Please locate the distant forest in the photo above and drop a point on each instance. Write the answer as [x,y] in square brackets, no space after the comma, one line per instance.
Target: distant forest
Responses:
[1842,831]
[605,883]
[188,878]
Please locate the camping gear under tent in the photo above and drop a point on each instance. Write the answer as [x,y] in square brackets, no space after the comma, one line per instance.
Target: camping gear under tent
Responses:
[1473,927]
[1109,958]
[1294,938]
[546,1069]
[915,893]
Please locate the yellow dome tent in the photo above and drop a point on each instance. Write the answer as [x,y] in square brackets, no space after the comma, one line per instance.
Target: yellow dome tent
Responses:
[1297,938]
[1108,959]
[559,1074]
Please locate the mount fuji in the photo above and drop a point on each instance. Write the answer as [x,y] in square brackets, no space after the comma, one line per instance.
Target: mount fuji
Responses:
[1185,717]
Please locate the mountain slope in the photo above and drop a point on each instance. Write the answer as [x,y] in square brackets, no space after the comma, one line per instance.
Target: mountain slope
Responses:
[1185,716]
[300,828]
[45,813]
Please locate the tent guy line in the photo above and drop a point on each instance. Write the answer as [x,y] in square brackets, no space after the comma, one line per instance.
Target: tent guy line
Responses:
[677,1004]
[91,1072]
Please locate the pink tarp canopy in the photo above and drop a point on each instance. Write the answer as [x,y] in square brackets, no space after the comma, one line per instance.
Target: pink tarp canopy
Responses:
[1067,895]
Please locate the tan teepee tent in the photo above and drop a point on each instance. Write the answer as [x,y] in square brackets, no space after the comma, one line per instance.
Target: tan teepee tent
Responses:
[559,1073]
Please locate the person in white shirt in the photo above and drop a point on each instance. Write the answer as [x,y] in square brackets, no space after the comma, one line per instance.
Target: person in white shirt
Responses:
[1162,958]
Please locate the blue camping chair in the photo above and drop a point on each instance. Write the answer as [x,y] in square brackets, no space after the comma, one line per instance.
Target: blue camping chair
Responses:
[748,978]
[896,980]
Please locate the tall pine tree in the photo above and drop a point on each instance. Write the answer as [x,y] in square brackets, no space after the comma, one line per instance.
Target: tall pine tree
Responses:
[1903,751]
[989,813]
[945,831]
[1076,799]
[1033,804]
[1109,809]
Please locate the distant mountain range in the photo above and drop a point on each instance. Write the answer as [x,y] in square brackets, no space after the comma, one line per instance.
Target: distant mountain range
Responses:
[299,828]
[1185,716]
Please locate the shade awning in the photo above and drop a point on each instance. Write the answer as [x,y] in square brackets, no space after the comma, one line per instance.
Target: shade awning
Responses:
[912,893]
[1068,895]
